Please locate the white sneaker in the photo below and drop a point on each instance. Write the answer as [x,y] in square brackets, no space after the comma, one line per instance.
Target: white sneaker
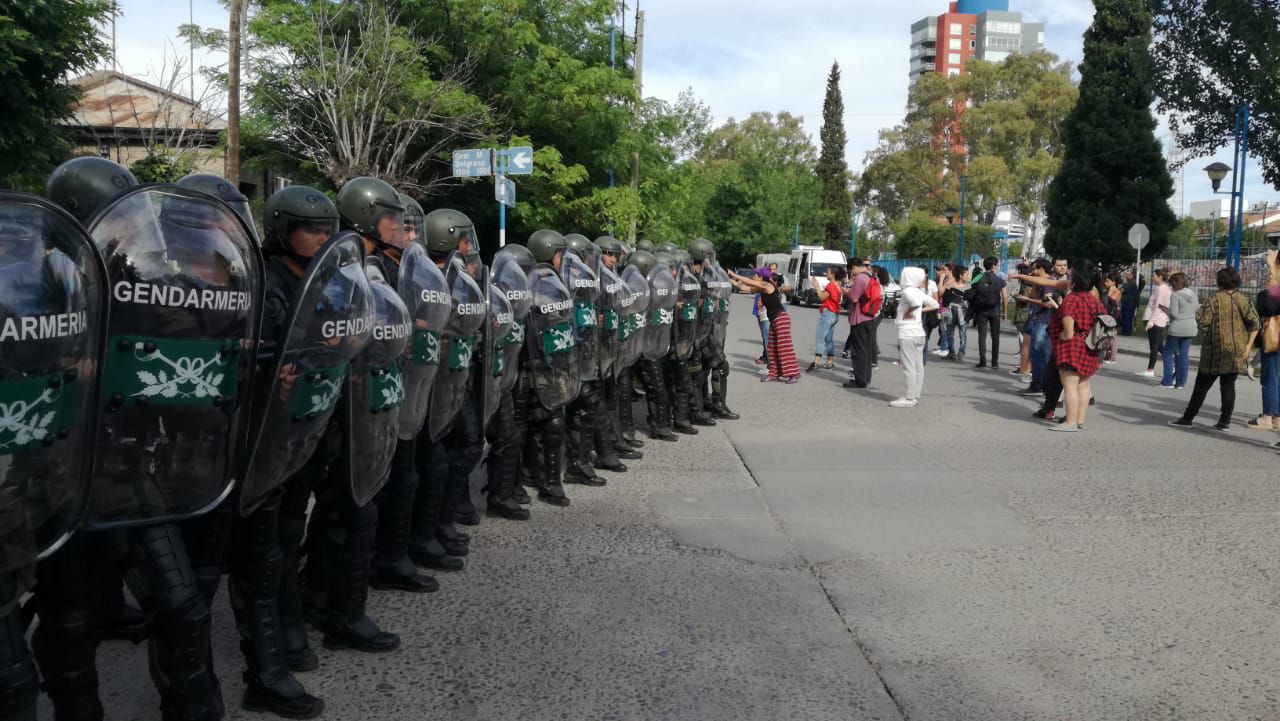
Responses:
[1146,374]
[904,403]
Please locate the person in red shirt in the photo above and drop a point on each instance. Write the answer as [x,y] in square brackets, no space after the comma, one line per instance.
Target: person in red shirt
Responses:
[829,315]
[1077,363]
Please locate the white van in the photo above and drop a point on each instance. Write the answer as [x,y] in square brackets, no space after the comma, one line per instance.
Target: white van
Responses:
[806,272]
[764,259]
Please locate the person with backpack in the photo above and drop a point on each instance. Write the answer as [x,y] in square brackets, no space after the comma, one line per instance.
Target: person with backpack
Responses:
[1076,346]
[988,296]
[1229,324]
[865,297]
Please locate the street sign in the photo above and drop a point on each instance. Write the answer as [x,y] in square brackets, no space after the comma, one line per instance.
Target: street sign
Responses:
[516,160]
[473,163]
[504,191]
[1139,236]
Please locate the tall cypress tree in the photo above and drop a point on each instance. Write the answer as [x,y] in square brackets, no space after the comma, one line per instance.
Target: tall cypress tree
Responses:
[832,169]
[1113,171]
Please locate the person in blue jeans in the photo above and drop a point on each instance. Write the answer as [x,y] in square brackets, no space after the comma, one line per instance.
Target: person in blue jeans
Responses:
[1042,301]
[829,314]
[1182,308]
[957,311]
[1268,306]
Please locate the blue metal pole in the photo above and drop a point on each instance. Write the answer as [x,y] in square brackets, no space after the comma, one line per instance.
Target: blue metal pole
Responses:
[960,249]
[1242,140]
[853,236]
[1213,233]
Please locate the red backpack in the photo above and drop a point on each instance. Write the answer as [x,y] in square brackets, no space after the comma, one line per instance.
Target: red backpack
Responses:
[875,299]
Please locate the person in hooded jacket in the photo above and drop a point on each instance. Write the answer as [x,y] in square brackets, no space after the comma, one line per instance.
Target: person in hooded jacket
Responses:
[913,303]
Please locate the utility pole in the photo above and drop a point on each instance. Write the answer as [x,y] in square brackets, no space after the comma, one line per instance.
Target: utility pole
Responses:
[635,156]
[233,93]
[191,46]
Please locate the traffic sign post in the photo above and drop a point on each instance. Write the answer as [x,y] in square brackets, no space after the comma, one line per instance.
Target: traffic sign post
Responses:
[498,162]
[1139,237]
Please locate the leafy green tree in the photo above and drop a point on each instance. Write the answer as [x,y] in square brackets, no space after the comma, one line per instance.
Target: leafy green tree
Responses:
[832,169]
[42,44]
[1211,57]
[923,238]
[1113,171]
[161,167]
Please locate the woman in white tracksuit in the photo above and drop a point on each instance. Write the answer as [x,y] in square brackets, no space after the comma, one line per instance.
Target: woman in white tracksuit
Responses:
[912,305]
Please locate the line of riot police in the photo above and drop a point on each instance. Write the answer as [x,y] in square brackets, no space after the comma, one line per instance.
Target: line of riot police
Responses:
[303,413]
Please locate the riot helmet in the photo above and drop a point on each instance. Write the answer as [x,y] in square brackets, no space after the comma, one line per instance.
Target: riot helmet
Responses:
[81,185]
[667,247]
[223,190]
[584,249]
[298,209]
[547,247]
[414,220]
[701,250]
[645,245]
[643,261]
[519,254]
[446,231]
[372,208]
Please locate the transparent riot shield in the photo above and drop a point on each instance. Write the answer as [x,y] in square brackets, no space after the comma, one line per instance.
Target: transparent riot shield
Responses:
[663,294]
[53,302]
[497,334]
[426,295]
[612,294]
[686,323]
[552,354]
[374,393]
[186,303]
[584,286]
[631,330]
[461,336]
[511,279]
[330,319]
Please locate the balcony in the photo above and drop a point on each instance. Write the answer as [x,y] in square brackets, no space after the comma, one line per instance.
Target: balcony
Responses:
[929,35]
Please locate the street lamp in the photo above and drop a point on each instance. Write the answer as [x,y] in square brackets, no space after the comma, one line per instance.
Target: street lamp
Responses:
[950,215]
[1218,171]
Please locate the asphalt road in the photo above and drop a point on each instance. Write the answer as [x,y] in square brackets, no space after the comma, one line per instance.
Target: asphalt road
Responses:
[830,557]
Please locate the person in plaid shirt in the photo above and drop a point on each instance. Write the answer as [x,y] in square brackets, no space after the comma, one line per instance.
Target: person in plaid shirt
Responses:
[1076,363]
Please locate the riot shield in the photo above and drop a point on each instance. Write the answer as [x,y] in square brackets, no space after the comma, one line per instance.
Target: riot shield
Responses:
[374,393]
[663,293]
[462,332]
[497,334]
[186,303]
[724,291]
[510,278]
[631,330]
[686,324]
[612,294]
[709,303]
[53,301]
[584,286]
[426,295]
[330,318]
[553,359]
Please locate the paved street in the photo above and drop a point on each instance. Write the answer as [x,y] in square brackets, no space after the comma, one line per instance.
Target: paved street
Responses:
[829,557]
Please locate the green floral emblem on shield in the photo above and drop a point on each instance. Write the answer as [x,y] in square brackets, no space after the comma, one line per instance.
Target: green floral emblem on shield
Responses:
[426,347]
[611,320]
[386,388]
[557,339]
[460,350]
[168,371]
[584,314]
[689,312]
[35,411]
[316,391]
[662,316]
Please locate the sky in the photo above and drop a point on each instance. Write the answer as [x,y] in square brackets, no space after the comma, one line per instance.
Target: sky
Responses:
[740,56]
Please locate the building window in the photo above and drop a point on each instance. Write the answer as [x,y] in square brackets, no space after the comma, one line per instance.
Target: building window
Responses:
[956,28]
[953,71]
[954,43]
[972,45]
[282,182]
[953,58]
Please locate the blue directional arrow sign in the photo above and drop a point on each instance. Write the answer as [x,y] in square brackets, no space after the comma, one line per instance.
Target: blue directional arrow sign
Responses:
[517,160]
[473,163]
[504,191]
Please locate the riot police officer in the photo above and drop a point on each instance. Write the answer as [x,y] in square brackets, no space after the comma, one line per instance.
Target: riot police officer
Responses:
[223,190]
[263,554]
[673,362]
[578,270]
[659,318]
[341,533]
[713,365]
[618,386]
[186,294]
[511,266]
[549,371]
[453,444]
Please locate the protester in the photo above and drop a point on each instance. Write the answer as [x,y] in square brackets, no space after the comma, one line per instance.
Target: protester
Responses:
[1156,320]
[1077,363]
[1130,292]
[1040,302]
[762,318]
[1181,310]
[937,319]
[882,277]
[1268,307]
[828,315]
[987,300]
[1230,324]
[865,306]
[782,365]
[913,302]
[953,297]
[1109,293]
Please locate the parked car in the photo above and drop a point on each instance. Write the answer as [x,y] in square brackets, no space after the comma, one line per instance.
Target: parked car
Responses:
[806,272]
[745,273]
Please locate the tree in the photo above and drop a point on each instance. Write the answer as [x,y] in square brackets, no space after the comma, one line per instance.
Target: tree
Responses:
[923,238]
[42,45]
[1113,171]
[349,89]
[1211,57]
[832,169]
